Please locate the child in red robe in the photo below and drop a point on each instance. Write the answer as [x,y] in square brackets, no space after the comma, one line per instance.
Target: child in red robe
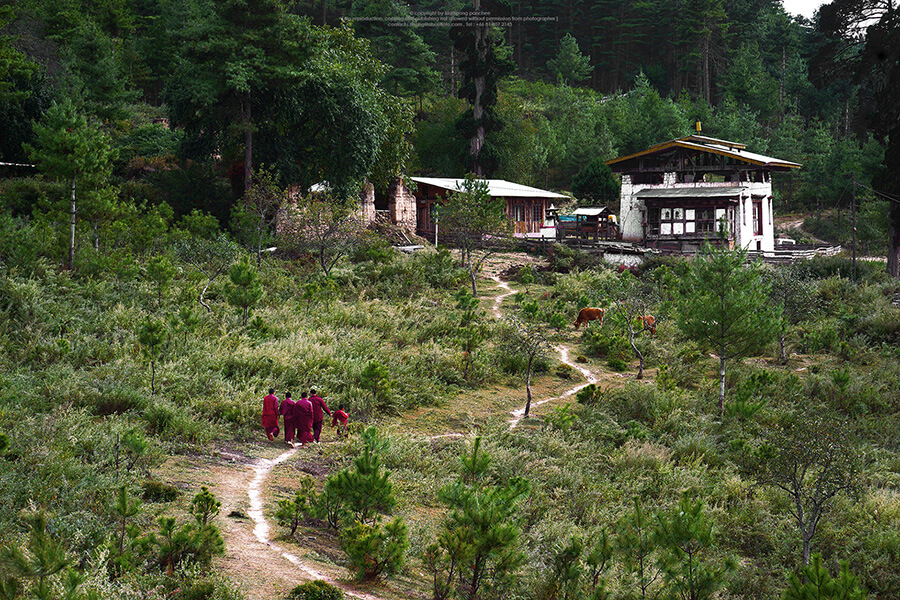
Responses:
[339,420]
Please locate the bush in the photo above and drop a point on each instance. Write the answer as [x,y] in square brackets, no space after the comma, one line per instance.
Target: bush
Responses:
[196,590]
[590,394]
[617,364]
[637,402]
[694,448]
[564,259]
[584,284]
[372,248]
[610,345]
[315,590]
[157,491]
[374,550]
[118,401]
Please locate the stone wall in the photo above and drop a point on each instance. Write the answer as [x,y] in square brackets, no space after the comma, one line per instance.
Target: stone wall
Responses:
[367,203]
[402,206]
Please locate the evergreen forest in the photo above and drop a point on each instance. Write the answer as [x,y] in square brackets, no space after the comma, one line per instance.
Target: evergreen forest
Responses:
[728,430]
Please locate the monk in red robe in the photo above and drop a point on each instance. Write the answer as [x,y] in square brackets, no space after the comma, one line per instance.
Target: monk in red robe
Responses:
[270,415]
[287,411]
[319,408]
[303,418]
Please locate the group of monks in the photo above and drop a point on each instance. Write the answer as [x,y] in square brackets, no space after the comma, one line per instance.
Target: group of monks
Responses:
[303,418]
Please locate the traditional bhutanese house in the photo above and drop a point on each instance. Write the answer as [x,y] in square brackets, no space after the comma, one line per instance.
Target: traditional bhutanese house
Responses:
[679,194]
[526,206]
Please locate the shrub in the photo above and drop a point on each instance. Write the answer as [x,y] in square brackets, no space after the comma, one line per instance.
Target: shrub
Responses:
[564,371]
[372,248]
[617,364]
[572,287]
[602,343]
[564,259]
[118,401]
[196,590]
[374,550]
[882,325]
[643,456]
[637,402]
[695,448]
[589,394]
[315,590]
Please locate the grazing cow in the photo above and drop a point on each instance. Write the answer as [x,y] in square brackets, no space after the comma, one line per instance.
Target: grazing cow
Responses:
[649,323]
[586,315]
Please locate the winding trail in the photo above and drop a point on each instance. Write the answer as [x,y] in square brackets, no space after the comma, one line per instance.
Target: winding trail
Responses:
[261,469]
[261,530]
[519,413]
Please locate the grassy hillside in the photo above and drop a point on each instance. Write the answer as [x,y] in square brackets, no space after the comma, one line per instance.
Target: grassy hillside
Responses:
[82,422]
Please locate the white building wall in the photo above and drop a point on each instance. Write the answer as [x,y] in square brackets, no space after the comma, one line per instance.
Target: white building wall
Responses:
[630,212]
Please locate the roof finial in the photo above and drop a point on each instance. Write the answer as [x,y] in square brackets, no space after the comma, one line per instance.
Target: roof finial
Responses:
[699,128]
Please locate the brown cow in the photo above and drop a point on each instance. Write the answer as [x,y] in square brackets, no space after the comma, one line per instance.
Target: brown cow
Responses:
[586,315]
[649,323]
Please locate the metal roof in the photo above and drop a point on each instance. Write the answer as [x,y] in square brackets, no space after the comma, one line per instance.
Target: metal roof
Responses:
[693,192]
[590,211]
[713,146]
[496,187]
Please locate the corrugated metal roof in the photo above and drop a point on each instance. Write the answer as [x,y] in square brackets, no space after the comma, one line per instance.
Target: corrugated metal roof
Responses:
[496,187]
[590,211]
[715,146]
[692,192]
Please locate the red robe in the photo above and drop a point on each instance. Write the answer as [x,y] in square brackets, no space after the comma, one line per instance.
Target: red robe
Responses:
[318,406]
[287,410]
[270,411]
[303,420]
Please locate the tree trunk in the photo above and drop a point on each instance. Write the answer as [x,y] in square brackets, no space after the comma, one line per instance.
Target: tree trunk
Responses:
[893,255]
[631,334]
[248,144]
[807,543]
[781,347]
[203,293]
[259,234]
[722,383]
[72,229]
[152,377]
[479,81]
[528,387]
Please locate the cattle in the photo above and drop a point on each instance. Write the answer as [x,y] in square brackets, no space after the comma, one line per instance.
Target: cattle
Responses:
[585,315]
[649,323]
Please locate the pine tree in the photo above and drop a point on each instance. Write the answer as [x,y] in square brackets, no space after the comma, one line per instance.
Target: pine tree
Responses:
[484,63]
[152,337]
[244,288]
[685,538]
[365,490]
[570,64]
[726,308]
[38,564]
[477,548]
[816,583]
[69,148]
